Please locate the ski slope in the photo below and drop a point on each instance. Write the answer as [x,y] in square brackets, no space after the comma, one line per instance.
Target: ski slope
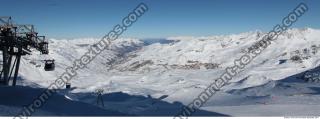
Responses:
[158,78]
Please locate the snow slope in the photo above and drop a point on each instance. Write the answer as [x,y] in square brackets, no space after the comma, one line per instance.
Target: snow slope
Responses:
[158,77]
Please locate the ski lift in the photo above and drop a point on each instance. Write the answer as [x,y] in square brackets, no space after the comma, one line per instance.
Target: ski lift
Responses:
[49,65]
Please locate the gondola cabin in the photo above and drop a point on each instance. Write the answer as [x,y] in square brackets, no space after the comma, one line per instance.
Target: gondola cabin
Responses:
[49,65]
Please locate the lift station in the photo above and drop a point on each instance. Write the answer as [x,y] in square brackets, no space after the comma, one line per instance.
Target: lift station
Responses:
[15,41]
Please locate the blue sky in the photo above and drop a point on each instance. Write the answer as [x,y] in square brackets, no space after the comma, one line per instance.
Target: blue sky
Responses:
[94,18]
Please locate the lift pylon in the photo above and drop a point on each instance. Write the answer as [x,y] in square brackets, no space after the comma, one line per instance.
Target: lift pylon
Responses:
[16,41]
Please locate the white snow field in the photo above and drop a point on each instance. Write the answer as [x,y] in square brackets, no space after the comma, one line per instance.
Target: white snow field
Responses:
[158,77]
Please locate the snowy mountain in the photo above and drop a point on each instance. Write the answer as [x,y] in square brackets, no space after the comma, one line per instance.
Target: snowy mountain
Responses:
[158,77]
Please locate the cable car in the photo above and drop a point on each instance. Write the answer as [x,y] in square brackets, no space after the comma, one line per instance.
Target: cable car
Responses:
[49,65]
